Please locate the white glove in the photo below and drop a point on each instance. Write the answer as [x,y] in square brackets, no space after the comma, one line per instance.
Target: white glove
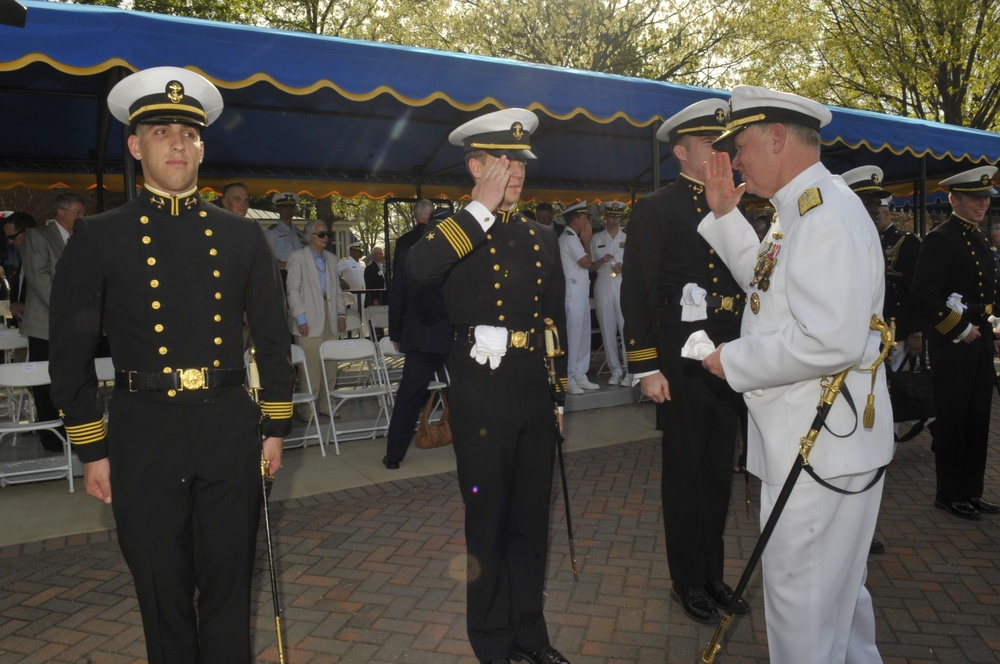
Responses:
[693,303]
[698,346]
[491,344]
[954,303]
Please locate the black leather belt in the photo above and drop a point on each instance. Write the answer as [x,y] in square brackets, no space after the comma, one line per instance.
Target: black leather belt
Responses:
[515,338]
[178,379]
[730,303]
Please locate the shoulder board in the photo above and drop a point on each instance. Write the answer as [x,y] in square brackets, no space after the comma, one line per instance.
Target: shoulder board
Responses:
[809,199]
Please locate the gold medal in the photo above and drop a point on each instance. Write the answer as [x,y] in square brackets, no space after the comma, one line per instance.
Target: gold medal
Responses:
[754,303]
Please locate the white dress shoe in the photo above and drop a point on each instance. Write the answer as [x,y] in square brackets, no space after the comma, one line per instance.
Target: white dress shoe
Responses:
[627,380]
[614,380]
[574,389]
[587,385]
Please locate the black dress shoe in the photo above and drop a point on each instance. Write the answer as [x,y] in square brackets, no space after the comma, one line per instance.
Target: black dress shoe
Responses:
[722,595]
[391,465]
[548,656]
[876,547]
[984,507]
[696,604]
[959,508]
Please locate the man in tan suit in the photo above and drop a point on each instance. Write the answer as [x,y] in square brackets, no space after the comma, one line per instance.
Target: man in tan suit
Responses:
[315,303]
[40,252]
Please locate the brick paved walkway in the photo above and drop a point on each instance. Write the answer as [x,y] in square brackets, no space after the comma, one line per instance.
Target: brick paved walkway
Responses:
[376,575]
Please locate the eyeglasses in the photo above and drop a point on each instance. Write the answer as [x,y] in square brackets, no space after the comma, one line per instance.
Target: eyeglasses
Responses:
[79,213]
[322,234]
[14,236]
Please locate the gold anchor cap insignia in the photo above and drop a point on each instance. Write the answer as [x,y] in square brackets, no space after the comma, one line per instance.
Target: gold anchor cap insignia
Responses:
[175,91]
[517,130]
[720,116]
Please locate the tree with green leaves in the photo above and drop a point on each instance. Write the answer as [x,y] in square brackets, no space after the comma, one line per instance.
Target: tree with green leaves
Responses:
[930,59]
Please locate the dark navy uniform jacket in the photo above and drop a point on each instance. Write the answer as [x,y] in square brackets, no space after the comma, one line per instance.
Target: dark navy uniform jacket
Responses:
[664,252]
[510,276]
[955,257]
[169,279]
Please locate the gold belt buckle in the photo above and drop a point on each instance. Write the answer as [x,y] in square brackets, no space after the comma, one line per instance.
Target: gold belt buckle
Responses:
[193,379]
[727,303]
[518,339]
[988,309]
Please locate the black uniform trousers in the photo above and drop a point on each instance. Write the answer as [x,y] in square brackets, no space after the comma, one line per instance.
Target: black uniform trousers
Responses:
[504,437]
[699,436]
[411,395]
[185,482]
[963,394]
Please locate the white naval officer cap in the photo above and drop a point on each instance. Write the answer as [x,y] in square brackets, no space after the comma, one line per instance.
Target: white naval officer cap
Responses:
[165,95]
[866,180]
[614,208]
[285,198]
[974,182]
[702,118]
[574,209]
[750,104]
[507,132]
[357,245]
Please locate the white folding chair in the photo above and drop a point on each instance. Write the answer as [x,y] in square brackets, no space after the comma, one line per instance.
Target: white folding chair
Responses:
[306,397]
[19,376]
[11,341]
[353,326]
[378,321]
[359,377]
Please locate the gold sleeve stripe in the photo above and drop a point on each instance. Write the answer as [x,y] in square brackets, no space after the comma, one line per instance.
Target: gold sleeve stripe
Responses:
[456,237]
[641,354]
[278,410]
[951,321]
[92,432]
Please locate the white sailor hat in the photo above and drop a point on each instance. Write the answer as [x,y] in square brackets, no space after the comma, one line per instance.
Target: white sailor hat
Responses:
[866,180]
[975,182]
[507,132]
[574,209]
[614,209]
[357,245]
[750,104]
[285,198]
[702,118]
[165,95]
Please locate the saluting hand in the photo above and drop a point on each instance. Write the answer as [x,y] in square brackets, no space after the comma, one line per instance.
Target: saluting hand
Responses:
[721,191]
[492,184]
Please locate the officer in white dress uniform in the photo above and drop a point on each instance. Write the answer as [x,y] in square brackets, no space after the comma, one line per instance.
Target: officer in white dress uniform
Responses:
[608,288]
[813,285]
[577,264]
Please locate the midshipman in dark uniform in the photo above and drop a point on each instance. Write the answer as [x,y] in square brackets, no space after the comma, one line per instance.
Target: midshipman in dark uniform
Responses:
[169,278]
[669,263]
[955,292]
[501,278]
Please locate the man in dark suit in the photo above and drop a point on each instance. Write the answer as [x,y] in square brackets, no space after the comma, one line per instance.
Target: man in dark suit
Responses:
[669,265]
[170,277]
[375,278]
[955,291]
[502,278]
[419,328]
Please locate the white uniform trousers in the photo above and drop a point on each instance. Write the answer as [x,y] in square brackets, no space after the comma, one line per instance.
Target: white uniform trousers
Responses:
[608,303]
[577,331]
[816,606]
